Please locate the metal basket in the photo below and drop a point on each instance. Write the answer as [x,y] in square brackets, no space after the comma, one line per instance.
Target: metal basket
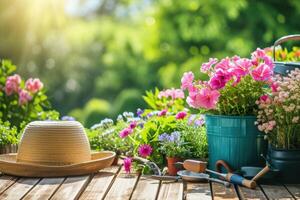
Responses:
[283,68]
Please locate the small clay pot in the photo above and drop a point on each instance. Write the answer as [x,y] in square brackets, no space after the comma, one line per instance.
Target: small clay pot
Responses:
[172,170]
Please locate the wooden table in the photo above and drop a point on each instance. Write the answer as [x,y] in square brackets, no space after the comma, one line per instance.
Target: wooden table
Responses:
[113,183]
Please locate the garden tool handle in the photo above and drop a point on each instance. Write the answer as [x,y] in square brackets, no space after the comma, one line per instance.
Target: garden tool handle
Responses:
[261,173]
[223,163]
[195,165]
[235,179]
[225,183]
[284,39]
[239,180]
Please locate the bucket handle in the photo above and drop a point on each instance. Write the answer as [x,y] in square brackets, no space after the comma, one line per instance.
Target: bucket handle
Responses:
[284,39]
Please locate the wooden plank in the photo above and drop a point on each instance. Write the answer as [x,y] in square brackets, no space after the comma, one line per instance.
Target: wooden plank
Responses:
[251,194]
[100,184]
[221,192]
[171,191]
[197,191]
[6,181]
[123,186]
[71,188]
[146,189]
[294,189]
[19,188]
[44,189]
[278,192]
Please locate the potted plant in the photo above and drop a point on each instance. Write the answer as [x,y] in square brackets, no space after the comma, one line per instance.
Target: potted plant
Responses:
[173,147]
[278,117]
[227,96]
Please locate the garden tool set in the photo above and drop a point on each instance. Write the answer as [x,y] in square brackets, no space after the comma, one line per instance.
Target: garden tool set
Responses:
[201,167]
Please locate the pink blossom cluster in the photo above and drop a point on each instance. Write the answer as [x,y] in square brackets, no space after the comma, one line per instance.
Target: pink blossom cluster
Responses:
[128,130]
[13,86]
[205,94]
[281,108]
[172,93]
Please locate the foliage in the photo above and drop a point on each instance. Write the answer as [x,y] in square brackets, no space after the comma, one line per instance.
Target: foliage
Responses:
[82,51]
[170,99]
[279,112]
[139,136]
[105,136]
[172,145]
[22,102]
[283,54]
[233,86]
[8,134]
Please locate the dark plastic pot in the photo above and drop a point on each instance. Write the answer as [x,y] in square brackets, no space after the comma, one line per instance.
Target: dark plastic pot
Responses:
[283,68]
[287,162]
[236,140]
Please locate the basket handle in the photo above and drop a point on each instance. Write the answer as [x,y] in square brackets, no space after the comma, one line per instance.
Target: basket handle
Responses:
[284,39]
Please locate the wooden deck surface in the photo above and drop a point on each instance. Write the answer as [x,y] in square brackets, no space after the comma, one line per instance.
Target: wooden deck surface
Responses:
[113,183]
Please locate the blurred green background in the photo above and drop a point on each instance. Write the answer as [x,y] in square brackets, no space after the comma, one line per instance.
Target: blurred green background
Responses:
[96,57]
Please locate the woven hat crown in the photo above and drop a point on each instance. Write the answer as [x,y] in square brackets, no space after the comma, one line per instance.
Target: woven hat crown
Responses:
[54,143]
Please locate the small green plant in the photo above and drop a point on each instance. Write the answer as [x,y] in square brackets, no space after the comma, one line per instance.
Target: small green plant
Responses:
[169,99]
[8,134]
[172,145]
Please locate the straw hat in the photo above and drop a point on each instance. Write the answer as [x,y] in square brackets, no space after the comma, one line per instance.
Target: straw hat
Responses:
[52,149]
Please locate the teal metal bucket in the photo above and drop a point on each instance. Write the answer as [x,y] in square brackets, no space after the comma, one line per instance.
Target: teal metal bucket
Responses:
[236,140]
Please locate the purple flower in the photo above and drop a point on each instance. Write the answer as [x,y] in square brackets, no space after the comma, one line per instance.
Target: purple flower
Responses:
[181,115]
[191,119]
[127,164]
[145,150]
[164,137]
[133,124]
[141,125]
[175,136]
[139,112]
[125,132]
[199,122]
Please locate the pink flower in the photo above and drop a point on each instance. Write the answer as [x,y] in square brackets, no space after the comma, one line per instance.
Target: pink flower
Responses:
[264,98]
[241,67]
[260,55]
[34,85]
[145,150]
[12,84]
[274,87]
[206,66]
[162,94]
[127,162]
[224,64]
[262,72]
[187,80]
[173,93]
[24,97]
[205,98]
[125,132]
[162,113]
[181,115]
[133,124]
[220,79]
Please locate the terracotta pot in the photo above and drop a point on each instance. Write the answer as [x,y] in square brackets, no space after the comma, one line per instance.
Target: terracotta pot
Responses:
[172,170]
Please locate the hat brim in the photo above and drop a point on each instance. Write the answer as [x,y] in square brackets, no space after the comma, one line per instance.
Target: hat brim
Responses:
[99,160]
